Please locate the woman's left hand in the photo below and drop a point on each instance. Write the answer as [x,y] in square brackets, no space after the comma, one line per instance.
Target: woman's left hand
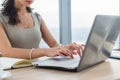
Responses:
[76,48]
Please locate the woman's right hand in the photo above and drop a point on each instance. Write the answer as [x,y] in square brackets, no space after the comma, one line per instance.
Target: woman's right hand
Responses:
[58,51]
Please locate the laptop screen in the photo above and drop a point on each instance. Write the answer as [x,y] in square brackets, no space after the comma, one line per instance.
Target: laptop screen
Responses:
[101,40]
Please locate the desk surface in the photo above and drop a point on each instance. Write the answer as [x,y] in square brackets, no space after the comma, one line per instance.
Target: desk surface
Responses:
[108,70]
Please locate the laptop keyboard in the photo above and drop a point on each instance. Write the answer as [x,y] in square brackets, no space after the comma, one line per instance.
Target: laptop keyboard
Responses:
[61,61]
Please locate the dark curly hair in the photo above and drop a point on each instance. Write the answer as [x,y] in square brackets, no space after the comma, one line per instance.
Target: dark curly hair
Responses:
[12,12]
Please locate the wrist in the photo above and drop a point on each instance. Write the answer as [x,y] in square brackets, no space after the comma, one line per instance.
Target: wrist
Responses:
[65,46]
[61,45]
[45,52]
[30,53]
[39,52]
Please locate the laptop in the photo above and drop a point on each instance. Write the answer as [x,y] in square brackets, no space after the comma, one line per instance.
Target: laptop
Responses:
[99,45]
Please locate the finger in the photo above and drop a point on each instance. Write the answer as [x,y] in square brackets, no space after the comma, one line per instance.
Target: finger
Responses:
[73,46]
[79,50]
[74,52]
[66,53]
[59,54]
[82,49]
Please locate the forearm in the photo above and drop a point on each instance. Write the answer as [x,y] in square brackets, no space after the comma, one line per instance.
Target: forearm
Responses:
[23,53]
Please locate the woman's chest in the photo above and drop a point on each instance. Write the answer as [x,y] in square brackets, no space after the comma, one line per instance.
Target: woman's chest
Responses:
[26,22]
[21,36]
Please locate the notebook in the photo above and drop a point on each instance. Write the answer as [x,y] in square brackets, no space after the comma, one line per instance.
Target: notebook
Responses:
[99,45]
[12,63]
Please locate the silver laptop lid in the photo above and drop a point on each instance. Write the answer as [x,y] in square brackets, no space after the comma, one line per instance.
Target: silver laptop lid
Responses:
[101,40]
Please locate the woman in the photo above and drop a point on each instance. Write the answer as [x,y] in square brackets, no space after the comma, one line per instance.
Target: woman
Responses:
[21,32]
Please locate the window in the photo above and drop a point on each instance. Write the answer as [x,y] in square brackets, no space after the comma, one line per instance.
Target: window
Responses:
[83,13]
[1,4]
[49,10]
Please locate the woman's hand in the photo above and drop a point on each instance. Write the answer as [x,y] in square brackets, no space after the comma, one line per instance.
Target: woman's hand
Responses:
[58,51]
[76,48]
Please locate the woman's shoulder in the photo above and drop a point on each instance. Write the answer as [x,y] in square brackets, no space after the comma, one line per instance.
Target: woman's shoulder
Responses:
[3,18]
[37,14]
[1,14]
[38,17]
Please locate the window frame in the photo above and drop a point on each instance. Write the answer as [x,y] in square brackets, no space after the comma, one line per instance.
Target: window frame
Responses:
[65,21]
